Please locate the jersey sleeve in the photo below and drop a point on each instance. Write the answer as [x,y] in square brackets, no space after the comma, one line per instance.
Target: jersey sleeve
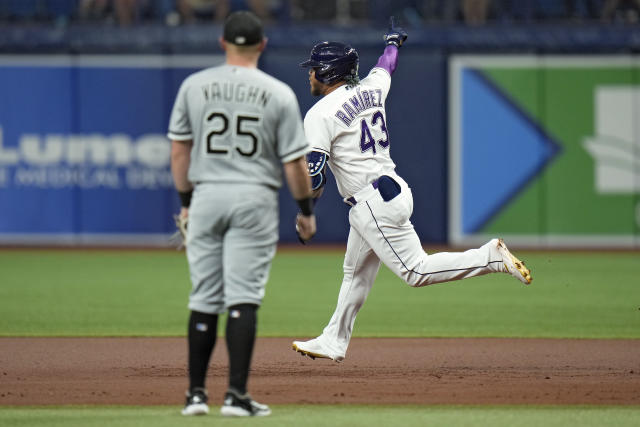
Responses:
[380,78]
[317,132]
[179,125]
[291,140]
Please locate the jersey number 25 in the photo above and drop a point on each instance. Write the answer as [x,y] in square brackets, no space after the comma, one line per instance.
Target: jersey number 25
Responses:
[244,140]
[367,142]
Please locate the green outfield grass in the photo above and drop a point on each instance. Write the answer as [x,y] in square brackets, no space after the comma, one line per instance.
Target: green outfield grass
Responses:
[144,293]
[320,415]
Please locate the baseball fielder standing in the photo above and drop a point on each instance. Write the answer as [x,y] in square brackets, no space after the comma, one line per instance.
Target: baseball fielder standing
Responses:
[347,130]
[232,127]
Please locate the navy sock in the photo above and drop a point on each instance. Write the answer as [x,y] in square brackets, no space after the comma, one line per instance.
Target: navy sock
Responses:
[202,339]
[241,335]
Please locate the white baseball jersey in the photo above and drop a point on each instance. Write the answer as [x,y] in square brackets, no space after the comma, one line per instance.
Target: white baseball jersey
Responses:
[349,125]
[243,123]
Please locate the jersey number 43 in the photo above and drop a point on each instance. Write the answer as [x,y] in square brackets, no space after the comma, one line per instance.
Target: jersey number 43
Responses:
[367,141]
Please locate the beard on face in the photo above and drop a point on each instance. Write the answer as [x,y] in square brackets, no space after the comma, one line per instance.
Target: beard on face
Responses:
[315,91]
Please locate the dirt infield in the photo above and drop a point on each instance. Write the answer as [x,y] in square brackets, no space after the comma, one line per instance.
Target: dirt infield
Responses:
[151,371]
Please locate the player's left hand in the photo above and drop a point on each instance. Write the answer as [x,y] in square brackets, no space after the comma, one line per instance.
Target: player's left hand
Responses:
[395,35]
[179,238]
[305,227]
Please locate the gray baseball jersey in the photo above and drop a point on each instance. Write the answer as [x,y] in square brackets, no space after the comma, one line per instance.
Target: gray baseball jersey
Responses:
[243,123]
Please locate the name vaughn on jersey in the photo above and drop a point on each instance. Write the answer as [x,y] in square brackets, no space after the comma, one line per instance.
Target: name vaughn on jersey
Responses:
[241,93]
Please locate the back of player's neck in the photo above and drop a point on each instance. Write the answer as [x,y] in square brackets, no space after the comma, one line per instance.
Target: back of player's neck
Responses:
[241,61]
[330,89]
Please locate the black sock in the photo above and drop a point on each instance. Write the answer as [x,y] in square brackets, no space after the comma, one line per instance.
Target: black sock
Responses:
[202,338]
[241,335]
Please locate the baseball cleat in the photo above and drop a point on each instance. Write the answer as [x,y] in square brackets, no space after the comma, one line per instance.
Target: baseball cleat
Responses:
[237,405]
[513,265]
[313,349]
[196,402]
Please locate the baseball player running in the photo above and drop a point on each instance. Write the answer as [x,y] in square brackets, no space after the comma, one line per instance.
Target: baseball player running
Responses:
[347,129]
[232,127]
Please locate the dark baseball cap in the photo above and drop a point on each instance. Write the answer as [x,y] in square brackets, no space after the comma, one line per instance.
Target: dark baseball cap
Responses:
[243,28]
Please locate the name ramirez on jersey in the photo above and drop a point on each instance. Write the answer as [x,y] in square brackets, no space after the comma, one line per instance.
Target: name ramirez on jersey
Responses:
[349,125]
[362,101]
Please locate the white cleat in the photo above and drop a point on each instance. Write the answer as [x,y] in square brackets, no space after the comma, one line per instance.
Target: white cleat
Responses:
[196,403]
[513,265]
[313,349]
[236,405]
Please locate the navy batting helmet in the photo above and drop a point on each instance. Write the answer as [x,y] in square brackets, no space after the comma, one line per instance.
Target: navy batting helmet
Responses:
[333,61]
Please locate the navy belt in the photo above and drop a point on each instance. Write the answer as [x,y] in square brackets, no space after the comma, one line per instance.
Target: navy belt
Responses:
[352,200]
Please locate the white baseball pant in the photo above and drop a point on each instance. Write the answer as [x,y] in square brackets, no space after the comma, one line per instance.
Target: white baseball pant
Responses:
[381,231]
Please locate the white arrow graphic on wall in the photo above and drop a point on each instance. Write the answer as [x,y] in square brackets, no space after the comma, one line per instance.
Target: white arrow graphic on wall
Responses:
[616,145]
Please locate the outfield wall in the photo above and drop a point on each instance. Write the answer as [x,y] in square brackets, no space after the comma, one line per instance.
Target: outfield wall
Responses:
[84,158]
[545,150]
[541,149]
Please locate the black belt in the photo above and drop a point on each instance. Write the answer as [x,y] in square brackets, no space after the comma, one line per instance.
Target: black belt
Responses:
[351,201]
[385,185]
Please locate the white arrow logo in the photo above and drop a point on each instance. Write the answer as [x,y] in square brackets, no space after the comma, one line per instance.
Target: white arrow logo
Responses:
[616,145]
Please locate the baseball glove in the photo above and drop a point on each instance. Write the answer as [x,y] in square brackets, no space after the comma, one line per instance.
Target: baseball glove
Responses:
[179,238]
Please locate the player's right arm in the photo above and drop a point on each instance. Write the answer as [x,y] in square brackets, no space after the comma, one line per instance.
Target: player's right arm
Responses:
[292,147]
[295,172]
[388,61]
[393,39]
[395,35]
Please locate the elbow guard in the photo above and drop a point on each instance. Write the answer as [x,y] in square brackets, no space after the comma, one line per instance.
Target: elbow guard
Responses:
[317,164]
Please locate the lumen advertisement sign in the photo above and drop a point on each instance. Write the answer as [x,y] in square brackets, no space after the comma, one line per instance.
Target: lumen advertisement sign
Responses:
[545,150]
[83,152]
